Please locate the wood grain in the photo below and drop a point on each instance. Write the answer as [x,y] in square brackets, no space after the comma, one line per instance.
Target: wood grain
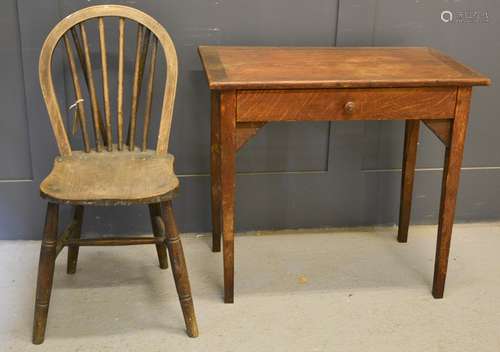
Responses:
[92,178]
[229,67]
[346,104]
[441,129]
[245,131]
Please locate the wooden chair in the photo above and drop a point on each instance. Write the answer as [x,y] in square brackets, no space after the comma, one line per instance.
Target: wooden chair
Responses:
[108,173]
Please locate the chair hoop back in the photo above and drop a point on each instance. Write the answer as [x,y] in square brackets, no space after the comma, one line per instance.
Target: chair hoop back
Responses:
[146,26]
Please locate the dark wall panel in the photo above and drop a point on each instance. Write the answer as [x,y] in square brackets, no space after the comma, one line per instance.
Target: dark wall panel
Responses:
[14,143]
[291,174]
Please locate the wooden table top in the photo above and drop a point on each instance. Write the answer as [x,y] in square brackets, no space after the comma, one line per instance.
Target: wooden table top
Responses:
[229,67]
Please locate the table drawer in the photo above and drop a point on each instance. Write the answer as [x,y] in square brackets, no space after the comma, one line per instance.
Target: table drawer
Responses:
[346,104]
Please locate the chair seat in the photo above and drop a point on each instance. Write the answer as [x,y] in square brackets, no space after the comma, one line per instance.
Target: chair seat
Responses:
[111,178]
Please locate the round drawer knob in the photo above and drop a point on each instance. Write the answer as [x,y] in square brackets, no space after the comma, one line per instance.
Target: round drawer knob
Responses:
[349,107]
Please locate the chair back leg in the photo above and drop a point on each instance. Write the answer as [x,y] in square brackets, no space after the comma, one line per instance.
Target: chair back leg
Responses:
[45,272]
[179,269]
[161,248]
[73,249]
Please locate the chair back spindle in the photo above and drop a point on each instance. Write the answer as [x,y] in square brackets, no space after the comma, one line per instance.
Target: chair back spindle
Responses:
[149,94]
[75,35]
[96,116]
[105,84]
[119,109]
[80,111]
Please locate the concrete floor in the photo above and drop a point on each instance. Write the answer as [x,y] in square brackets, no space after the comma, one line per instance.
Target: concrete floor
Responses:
[337,290]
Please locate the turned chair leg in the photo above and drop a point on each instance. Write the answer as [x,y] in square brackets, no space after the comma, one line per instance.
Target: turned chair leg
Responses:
[77,231]
[161,249]
[179,270]
[45,272]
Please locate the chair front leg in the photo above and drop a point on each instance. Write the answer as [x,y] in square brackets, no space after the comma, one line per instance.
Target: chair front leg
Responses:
[77,231]
[179,269]
[45,272]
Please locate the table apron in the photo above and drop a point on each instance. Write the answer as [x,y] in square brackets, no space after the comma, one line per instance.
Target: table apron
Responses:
[346,104]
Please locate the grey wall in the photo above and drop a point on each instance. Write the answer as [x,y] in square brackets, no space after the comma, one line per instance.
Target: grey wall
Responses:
[292,174]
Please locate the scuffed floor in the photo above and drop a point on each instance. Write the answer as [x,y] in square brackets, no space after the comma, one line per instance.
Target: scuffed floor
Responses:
[328,290]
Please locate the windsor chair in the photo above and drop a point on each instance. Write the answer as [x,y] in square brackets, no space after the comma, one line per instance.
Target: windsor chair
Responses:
[106,173]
